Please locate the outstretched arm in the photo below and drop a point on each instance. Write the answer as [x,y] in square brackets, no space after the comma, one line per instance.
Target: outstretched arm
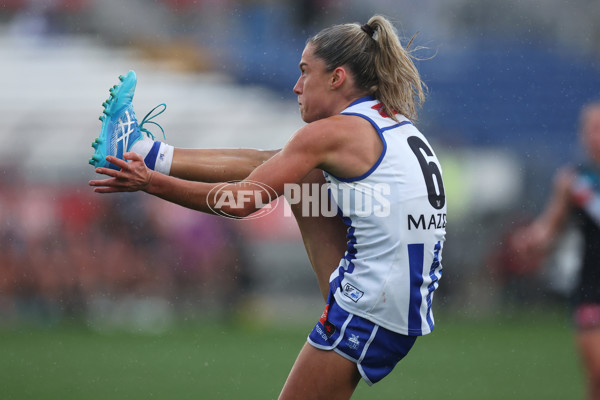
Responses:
[305,151]
[237,199]
[217,165]
[537,238]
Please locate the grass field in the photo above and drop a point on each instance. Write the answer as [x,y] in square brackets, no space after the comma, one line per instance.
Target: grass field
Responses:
[526,357]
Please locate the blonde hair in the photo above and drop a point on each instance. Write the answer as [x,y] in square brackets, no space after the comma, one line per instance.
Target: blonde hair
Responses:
[381,66]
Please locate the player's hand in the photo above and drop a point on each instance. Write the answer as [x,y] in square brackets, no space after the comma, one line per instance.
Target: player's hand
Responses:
[530,239]
[133,176]
[528,247]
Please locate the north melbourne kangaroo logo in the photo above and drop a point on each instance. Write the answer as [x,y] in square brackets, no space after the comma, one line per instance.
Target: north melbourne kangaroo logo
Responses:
[353,342]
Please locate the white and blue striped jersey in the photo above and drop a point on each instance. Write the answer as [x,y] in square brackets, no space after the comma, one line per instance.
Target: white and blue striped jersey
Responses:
[396,217]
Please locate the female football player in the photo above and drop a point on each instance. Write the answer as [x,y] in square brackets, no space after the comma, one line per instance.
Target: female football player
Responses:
[378,260]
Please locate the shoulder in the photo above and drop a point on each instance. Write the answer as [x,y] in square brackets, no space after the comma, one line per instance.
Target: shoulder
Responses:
[341,144]
[333,130]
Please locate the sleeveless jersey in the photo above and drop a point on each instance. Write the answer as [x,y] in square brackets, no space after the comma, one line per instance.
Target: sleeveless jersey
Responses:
[396,217]
[586,197]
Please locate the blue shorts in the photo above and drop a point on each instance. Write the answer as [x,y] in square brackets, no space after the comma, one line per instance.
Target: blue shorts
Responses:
[374,349]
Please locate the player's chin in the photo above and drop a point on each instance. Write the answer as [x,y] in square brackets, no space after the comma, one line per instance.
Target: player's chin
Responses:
[306,117]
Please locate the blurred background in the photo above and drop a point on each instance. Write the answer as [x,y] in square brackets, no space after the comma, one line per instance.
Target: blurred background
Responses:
[506,83]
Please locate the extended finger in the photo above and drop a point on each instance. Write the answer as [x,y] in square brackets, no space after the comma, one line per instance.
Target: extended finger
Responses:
[117,161]
[107,171]
[106,190]
[132,156]
[105,182]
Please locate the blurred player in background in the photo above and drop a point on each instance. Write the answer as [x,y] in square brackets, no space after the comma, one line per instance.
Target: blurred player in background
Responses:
[359,92]
[576,196]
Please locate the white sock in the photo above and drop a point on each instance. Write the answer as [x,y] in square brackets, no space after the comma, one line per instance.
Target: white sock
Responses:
[142,147]
[164,159]
[162,156]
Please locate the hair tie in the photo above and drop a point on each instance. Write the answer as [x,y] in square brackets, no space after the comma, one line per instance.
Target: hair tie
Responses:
[368,30]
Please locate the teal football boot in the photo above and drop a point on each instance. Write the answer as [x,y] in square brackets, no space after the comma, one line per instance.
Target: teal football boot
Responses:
[120,128]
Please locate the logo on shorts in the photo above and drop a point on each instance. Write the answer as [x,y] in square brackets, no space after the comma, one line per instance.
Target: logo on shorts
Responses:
[329,327]
[353,293]
[353,342]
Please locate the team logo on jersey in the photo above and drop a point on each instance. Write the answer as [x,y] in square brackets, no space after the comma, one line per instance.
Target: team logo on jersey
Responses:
[379,108]
[353,293]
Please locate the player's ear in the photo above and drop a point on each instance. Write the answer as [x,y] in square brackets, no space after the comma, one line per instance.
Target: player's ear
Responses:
[337,78]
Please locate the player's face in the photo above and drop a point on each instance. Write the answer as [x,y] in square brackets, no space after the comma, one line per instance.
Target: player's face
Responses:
[313,88]
[591,132]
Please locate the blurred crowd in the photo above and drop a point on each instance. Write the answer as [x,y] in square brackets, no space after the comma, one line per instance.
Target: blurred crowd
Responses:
[64,249]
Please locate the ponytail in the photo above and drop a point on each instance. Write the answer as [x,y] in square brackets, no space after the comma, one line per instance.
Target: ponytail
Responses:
[400,87]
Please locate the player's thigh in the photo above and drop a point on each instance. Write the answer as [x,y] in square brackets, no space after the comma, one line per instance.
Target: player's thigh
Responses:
[320,374]
[324,237]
